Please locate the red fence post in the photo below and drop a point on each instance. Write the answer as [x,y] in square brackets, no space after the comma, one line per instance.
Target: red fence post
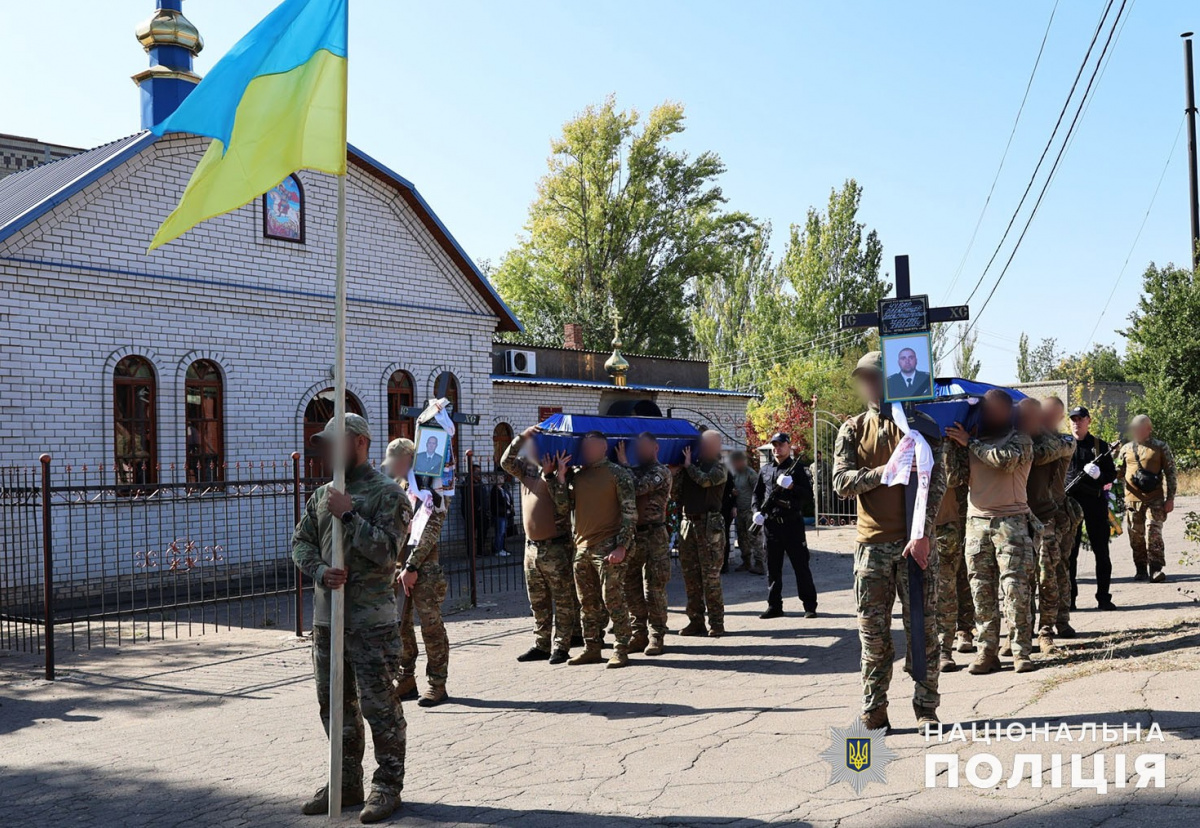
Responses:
[299,574]
[471,523]
[47,570]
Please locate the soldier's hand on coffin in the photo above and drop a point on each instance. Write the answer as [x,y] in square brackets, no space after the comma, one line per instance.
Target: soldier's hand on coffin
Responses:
[958,434]
[918,550]
[529,432]
[547,465]
[687,455]
[408,579]
[334,578]
[560,461]
[616,556]
[622,458]
[338,503]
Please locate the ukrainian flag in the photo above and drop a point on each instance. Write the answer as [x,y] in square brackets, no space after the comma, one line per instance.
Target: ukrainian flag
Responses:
[275,104]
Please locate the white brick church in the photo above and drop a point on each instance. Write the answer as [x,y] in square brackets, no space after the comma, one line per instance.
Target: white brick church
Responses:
[216,349]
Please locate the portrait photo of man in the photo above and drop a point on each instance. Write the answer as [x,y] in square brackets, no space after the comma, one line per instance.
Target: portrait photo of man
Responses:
[431,453]
[907,363]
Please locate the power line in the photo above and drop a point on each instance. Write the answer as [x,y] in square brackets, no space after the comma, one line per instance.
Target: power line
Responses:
[1003,157]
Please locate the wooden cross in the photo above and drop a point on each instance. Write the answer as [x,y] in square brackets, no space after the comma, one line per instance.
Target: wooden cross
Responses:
[908,314]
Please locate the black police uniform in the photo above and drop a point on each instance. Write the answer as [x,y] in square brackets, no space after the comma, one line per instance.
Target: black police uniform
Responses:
[784,529]
[1090,496]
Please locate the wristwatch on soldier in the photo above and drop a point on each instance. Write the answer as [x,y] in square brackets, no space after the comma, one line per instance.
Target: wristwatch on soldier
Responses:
[348,516]
[408,567]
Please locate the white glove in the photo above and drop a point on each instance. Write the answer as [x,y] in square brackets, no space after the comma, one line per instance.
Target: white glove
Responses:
[784,480]
[759,520]
[1092,471]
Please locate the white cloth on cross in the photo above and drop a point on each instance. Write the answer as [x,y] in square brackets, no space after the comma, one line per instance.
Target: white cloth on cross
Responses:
[912,449]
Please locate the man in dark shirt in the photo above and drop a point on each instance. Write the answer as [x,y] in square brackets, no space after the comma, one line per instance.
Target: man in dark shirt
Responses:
[1091,469]
[783,493]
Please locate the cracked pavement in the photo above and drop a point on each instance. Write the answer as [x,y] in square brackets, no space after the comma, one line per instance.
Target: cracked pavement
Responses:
[222,730]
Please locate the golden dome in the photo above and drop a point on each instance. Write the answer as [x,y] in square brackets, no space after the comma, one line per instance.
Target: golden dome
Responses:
[616,365]
[169,28]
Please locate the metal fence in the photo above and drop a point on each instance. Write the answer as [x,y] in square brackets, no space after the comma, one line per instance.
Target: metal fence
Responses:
[87,561]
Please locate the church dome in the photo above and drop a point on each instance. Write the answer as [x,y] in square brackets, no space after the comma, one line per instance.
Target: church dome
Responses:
[169,28]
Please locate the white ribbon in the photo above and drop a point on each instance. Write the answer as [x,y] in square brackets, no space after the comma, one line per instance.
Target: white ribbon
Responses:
[898,468]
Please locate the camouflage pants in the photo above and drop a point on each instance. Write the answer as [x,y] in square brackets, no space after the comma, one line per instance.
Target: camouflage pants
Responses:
[550,582]
[950,568]
[749,544]
[880,573]
[1145,533]
[966,605]
[1000,559]
[427,596]
[601,588]
[701,553]
[369,692]
[1064,530]
[1049,559]
[647,570]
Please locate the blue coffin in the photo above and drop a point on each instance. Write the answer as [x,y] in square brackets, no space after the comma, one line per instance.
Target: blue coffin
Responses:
[957,401]
[564,432]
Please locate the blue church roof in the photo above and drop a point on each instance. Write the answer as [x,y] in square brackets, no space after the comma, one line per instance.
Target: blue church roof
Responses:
[27,196]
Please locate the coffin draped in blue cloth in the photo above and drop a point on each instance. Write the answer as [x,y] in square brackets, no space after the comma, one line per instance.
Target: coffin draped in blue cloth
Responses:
[564,432]
[957,401]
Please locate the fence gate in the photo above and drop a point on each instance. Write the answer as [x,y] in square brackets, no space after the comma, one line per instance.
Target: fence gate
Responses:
[831,510]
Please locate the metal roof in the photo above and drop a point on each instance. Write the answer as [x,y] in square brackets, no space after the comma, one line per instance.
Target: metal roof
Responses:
[607,386]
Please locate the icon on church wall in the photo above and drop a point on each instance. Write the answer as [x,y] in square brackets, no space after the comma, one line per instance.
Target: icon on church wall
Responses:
[283,211]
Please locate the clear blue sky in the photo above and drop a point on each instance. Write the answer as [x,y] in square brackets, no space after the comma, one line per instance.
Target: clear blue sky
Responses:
[914,99]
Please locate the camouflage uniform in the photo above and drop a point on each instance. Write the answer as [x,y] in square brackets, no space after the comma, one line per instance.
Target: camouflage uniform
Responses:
[1064,532]
[549,563]
[749,543]
[1000,552]
[372,642]
[1050,452]
[1146,510]
[951,562]
[702,541]
[648,567]
[864,443]
[600,584]
[426,598]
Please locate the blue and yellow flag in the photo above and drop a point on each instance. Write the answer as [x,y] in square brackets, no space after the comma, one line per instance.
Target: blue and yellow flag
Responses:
[275,104]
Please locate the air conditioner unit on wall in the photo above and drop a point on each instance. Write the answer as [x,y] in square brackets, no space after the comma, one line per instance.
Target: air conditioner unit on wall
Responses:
[520,363]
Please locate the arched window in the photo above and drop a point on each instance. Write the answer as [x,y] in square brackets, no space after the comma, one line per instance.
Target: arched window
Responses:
[317,413]
[204,421]
[400,395]
[283,211]
[502,435]
[135,431]
[447,386]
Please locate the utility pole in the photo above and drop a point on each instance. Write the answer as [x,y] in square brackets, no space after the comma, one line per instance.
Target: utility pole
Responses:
[1190,114]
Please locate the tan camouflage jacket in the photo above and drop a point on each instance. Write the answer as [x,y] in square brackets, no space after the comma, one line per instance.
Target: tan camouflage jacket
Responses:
[626,497]
[652,485]
[531,478]
[1163,458]
[372,544]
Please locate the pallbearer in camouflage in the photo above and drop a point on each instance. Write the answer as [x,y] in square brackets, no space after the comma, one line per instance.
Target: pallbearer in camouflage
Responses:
[549,550]
[1148,469]
[605,520]
[1053,411]
[1000,532]
[373,514]
[951,563]
[648,567]
[420,577]
[864,445]
[699,486]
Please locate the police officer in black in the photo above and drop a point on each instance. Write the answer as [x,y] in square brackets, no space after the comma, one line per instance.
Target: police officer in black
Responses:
[783,494]
[1092,468]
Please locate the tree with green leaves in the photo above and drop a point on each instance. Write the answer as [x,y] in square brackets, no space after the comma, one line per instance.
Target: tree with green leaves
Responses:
[1037,363]
[1164,355]
[966,365]
[622,226]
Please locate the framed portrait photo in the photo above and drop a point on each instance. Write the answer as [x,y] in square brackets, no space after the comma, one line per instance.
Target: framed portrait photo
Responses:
[907,368]
[283,211]
[432,443]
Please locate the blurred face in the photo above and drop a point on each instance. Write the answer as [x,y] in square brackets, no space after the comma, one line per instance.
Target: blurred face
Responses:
[997,416]
[739,464]
[647,450]
[1141,430]
[398,467]
[908,360]
[870,386]
[1080,426]
[1029,417]
[710,446]
[1052,415]
[594,449]
[781,450]
[358,449]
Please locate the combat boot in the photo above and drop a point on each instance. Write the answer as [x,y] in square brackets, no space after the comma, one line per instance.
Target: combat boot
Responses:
[1157,576]
[577,640]
[619,658]
[694,627]
[1140,573]
[1064,630]
[1023,665]
[433,696]
[876,719]
[946,663]
[352,794]
[379,807]
[559,657]
[406,688]
[1006,648]
[1046,644]
[534,654]
[984,663]
[926,717]
[591,655]
[655,647]
[716,630]
[638,642]
[964,642]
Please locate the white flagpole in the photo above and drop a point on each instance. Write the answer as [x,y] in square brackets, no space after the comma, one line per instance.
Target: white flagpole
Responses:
[337,607]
